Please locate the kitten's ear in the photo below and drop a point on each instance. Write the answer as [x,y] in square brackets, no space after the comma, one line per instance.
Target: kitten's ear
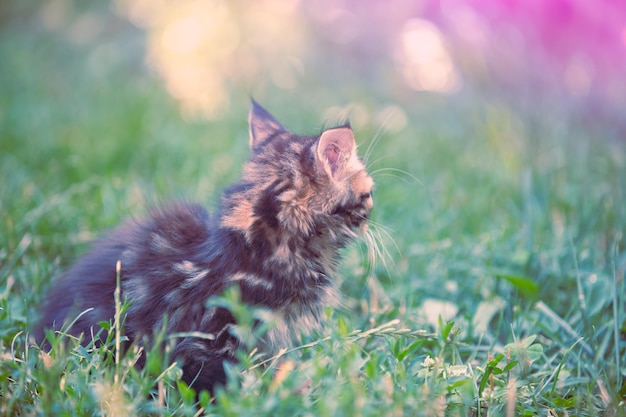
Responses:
[334,148]
[261,125]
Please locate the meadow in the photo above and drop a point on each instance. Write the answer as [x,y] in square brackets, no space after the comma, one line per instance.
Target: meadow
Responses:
[497,288]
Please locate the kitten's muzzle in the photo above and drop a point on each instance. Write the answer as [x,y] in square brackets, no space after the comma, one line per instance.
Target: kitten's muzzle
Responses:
[358,217]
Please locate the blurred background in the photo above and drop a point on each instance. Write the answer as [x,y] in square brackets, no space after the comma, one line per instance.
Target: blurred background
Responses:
[211,54]
[496,127]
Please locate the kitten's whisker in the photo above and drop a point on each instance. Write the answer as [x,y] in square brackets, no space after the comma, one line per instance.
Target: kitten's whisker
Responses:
[382,235]
[386,229]
[375,139]
[382,249]
[397,177]
[380,225]
[371,253]
[377,249]
[374,161]
[374,252]
[377,160]
[379,228]
[375,230]
[368,154]
[397,170]
[378,135]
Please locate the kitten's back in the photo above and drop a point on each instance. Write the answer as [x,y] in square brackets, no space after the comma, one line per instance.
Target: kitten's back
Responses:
[152,243]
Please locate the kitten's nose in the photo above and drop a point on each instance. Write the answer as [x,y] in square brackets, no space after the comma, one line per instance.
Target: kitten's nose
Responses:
[369,203]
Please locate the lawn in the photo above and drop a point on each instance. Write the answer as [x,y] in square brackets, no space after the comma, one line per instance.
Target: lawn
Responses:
[496,289]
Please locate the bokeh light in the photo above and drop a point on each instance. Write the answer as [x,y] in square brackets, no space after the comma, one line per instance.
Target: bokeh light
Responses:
[201,48]
[423,58]
[206,51]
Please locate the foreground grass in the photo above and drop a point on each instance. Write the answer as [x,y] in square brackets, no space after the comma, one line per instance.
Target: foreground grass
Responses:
[500,290]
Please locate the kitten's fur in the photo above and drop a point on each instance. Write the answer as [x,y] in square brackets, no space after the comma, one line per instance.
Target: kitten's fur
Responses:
[276,236]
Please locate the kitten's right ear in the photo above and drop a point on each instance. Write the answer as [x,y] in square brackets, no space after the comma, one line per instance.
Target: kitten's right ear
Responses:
[334,149]
[262,125]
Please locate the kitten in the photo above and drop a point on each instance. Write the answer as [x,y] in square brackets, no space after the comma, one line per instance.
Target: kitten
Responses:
[276,237]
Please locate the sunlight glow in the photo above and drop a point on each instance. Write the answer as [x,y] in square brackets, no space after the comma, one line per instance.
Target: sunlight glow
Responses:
[184,35]
[201,48]
[426,64]
[209,51]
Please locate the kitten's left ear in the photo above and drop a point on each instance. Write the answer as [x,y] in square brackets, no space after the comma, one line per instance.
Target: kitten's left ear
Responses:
[334,148]
[261,124]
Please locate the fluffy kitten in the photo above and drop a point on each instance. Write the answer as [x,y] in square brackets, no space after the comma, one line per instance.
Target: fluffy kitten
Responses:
[276,237]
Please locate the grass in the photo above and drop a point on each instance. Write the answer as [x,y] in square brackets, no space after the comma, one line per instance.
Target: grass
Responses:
[501,291]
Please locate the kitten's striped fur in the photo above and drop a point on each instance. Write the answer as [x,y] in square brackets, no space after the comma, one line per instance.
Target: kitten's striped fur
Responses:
[276,236]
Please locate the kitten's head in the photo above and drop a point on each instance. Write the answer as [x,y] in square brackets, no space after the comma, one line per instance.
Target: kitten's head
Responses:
[302,185]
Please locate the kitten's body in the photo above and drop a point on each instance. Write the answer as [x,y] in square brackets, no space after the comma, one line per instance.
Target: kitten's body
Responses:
[276,237]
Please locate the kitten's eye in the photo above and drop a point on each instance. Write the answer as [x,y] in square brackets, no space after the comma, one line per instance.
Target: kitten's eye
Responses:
[365,196]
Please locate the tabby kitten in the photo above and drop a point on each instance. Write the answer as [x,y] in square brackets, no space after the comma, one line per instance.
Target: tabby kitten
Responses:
[276,237]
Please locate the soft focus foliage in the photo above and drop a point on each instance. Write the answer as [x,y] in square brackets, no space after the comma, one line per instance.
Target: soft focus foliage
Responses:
[494,130]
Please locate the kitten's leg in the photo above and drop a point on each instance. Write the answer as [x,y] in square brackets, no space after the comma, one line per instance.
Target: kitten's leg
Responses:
[203,361]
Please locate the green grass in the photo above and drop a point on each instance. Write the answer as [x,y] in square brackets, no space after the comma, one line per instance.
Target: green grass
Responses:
[502,287]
